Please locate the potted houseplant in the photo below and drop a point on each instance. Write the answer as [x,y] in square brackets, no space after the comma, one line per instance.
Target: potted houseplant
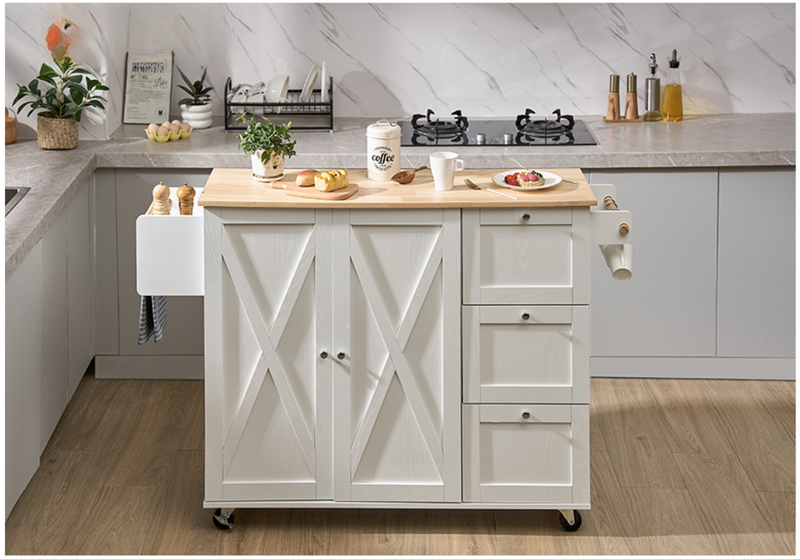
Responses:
[196,109]
[62,92]
[267,144]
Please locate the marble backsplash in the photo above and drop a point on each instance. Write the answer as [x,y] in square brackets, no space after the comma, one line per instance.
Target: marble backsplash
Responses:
[393,60]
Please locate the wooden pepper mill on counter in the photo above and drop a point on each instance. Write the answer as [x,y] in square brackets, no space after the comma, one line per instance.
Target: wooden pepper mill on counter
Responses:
[612,113]
[186,199]
[631,101]
[161,203]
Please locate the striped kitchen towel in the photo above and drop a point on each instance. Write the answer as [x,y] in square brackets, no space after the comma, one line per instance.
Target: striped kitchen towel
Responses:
[152,318]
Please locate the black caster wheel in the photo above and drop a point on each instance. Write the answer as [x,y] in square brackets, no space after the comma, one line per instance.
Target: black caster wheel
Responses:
[566,525]
[223,522]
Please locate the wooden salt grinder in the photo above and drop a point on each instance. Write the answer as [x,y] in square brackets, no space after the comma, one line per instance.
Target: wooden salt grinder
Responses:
[613,98]
[186,199]
[631,101]
[161,202]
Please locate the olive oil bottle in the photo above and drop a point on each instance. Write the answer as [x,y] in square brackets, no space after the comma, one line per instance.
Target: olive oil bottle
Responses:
[672,109]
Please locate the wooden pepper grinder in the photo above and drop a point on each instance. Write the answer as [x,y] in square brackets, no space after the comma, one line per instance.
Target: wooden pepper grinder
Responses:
[631,101]
[161,202]
[613,98]
[186,199]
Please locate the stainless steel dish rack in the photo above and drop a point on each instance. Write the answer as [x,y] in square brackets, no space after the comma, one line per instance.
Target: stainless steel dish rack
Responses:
[313,115]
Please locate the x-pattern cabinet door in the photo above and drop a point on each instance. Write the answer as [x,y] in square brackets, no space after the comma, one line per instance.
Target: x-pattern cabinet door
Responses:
[268,390]
[397,345]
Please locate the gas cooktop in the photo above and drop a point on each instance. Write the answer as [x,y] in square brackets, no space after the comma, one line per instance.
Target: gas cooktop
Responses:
[525,130]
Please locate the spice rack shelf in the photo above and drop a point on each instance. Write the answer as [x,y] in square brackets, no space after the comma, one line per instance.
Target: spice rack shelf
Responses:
[312,115]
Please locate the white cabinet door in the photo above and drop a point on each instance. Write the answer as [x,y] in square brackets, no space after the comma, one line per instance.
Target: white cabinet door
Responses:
[668,308]
[526,453]
[268,415]
[757,262]
[397,326]
[526,354]
[79,288]
[526,256]
[23,375]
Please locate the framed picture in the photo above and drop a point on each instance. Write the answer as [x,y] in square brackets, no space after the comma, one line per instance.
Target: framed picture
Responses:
[148,88]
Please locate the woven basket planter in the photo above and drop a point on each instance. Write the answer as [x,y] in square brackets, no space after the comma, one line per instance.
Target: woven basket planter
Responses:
[57,133]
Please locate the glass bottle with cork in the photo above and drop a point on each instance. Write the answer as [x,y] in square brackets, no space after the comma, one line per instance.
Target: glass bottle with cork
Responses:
[672,110]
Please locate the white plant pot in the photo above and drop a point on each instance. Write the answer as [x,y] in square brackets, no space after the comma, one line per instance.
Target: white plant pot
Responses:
[271,171]
[197,116]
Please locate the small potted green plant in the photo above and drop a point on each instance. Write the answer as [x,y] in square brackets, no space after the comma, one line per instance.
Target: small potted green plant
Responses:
[61,92]
[267,144]
[196,109]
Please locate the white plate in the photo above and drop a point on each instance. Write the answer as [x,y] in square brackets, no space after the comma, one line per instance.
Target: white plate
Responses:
[309,85]
[324,82]
[550,180]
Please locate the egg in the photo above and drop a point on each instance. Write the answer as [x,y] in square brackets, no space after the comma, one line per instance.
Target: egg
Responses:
[166,123]
[162,131]
[185,126]
[153,128]
[176,122]
[174,128]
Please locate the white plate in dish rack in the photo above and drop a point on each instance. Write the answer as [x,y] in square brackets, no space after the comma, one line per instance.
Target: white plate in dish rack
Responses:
[550,180]
[309,85]
[323,82]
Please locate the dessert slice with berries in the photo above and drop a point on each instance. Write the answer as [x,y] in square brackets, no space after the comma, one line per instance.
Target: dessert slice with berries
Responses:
[525,179]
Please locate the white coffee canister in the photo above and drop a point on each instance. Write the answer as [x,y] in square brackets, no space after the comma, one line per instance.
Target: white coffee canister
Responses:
[383,150]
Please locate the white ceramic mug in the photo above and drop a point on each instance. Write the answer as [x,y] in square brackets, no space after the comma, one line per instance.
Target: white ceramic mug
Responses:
[444,165]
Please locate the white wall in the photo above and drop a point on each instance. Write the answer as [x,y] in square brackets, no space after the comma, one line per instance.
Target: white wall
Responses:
[399,59]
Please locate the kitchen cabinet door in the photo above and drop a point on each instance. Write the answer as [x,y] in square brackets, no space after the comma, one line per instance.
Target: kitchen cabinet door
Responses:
[55,324]
[79,288]
[268,386]
[757,262]
[397,347]
[23,375]
[668,308]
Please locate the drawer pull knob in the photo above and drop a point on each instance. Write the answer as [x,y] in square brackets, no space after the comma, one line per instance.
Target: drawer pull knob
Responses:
[526,216]
[324,354]
[525,316]
[526,415]
[340,355]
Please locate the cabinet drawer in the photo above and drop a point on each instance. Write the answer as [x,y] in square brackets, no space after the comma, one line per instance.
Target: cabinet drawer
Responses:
[526,256]
[526,453]
[526,354]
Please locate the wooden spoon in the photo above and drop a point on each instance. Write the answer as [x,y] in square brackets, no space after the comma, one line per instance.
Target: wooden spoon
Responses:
[404,177]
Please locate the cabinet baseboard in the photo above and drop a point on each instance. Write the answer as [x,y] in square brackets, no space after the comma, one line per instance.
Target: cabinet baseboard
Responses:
[733,368]
[161,367]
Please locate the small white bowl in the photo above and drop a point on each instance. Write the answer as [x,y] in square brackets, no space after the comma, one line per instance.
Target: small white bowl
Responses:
[277,88]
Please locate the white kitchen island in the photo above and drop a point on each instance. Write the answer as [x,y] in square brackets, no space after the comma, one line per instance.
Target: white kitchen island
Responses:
[402,348]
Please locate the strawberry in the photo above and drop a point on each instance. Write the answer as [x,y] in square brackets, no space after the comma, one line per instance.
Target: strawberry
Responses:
[512,179]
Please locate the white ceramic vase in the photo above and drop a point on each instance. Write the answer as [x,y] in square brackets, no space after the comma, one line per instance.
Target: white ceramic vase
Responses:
[273,170]
[198,116]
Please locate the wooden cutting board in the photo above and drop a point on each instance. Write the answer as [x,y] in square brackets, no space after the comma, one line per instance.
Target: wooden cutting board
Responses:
[292,189]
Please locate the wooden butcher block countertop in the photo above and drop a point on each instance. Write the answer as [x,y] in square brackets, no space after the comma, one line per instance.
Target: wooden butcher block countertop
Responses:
[236,188]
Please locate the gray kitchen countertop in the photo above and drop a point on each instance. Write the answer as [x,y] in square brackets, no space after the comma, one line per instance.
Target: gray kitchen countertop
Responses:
[740,140]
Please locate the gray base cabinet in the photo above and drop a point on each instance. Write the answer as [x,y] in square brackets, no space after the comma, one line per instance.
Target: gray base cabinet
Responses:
[49,338]
[124,195]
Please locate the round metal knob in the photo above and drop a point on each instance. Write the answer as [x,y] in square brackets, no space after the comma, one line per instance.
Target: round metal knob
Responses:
[526,217]
[525,316]
[526,415]
[340,355]
[624,229]
[324,354]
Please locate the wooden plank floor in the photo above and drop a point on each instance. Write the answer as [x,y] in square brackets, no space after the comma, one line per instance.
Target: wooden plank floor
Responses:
[677,467]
